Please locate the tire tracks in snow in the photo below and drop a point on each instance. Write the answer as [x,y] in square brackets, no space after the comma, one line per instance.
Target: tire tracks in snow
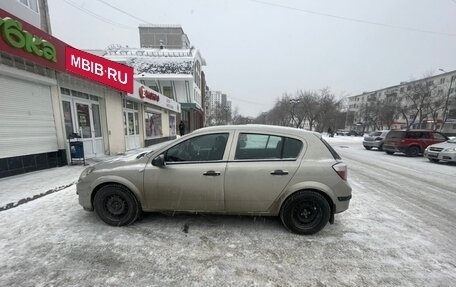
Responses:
[34,197]
[422,211]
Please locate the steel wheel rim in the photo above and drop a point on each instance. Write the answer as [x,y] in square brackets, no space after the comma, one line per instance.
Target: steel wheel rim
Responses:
[115,206]
[307,214]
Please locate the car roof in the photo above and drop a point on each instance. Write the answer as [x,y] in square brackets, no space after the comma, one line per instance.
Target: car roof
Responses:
[258,129]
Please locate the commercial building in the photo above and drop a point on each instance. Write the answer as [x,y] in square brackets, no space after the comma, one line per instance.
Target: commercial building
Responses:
[167,65]
[50,91]
[424,103]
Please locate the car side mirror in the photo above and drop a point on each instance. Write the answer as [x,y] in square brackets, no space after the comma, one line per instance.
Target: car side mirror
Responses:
[159,161]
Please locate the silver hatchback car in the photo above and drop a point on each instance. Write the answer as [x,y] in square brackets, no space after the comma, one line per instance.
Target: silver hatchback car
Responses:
[244,170]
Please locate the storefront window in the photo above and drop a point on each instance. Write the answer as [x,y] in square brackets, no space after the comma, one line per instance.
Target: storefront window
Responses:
[172,125]
[84,120]
[131,124]
[153,124]
[96,120]
[136,124]
[68,117]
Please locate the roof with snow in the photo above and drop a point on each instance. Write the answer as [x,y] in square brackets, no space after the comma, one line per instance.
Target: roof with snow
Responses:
[156,61]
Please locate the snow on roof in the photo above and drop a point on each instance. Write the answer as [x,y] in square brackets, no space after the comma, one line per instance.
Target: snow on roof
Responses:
[156,61]
[152,66]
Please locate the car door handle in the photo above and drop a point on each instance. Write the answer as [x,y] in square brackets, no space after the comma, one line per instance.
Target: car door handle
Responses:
[279,172]
[212,173]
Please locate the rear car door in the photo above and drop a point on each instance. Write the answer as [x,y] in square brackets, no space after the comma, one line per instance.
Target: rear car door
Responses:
[193,176]
[260,167]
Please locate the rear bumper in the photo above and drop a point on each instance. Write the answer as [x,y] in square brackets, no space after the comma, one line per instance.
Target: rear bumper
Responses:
[372,143]
[393,148]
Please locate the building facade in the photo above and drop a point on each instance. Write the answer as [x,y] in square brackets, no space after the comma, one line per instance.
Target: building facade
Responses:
[48,96]
[428,103]
[174,73]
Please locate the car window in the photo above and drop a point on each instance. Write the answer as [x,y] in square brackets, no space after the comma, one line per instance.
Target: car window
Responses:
[202,148]
[413,135]
[375,134]
[395,135]
[261,146]
[425,135]
[439,136]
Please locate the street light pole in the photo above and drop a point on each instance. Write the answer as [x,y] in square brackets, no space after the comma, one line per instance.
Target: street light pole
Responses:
[293,102]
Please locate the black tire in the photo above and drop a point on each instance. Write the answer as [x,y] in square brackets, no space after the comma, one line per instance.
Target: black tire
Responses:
[389,152]
[368,147]
[116,205]
[380,148]
[434,160]
[305,212]
[412,151]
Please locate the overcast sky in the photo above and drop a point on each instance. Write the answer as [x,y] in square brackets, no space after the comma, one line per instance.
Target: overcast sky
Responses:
[256,51]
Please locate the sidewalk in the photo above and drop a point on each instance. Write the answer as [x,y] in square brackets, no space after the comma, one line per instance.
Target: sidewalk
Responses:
[21,188]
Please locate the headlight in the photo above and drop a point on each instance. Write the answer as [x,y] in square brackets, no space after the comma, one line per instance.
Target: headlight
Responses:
[451,149]
[86,172]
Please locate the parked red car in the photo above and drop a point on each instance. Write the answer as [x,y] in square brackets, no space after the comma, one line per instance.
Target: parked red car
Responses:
[411,142]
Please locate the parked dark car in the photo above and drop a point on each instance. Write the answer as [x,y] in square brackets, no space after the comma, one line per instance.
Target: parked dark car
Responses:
[375,139]
[411,142]
[355,133]
[342,132]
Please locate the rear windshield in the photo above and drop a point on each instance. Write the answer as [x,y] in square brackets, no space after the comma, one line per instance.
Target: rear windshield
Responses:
[331,150]
[395,135]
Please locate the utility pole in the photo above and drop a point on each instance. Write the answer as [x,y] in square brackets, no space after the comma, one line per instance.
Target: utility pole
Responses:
[447,100]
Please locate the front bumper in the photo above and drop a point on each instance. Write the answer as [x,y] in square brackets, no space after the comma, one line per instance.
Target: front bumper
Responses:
[444,156]
[83,190]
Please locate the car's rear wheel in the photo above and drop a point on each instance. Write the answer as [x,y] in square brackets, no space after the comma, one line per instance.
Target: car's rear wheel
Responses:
[389,152]
[434,160]
[368,147]
[116,205]
[380,148]
[412,151]
[305,212]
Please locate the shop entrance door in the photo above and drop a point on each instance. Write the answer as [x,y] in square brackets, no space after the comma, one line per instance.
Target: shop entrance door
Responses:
[131,126]
[87,125]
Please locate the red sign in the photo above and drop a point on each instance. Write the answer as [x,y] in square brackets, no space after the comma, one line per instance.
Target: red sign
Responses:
[143,93]
[24,40]
[99,69]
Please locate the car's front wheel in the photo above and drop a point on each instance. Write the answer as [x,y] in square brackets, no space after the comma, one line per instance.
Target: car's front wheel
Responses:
[367,147]
[305,212]
[434,160]
[389,152]
[116,205]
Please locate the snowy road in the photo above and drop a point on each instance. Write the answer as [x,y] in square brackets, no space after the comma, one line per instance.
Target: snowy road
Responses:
[399,231]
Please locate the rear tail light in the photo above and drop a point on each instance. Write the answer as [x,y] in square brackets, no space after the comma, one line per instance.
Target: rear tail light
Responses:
[341,170]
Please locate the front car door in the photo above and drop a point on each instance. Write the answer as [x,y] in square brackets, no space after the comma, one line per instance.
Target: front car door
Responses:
[193,175]
[260,167]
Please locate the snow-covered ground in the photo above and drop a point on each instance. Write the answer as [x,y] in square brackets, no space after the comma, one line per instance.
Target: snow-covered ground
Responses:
[399,231]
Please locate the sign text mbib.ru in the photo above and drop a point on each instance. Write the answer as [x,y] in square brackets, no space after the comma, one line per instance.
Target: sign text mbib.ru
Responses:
[99,69]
